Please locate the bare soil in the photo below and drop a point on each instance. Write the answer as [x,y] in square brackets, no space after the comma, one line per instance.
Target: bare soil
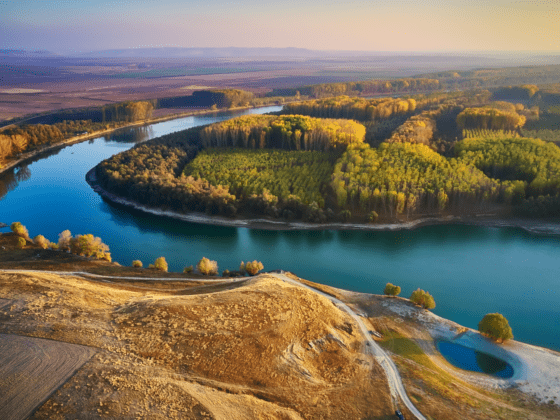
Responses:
[31,369]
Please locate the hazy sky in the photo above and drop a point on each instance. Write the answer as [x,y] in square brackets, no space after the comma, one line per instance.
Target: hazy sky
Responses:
[372,25]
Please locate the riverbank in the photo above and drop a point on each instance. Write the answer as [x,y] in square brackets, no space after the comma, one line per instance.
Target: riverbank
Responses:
[532,226]
[78,139]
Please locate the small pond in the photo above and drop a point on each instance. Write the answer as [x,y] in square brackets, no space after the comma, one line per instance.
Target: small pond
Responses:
[469,359]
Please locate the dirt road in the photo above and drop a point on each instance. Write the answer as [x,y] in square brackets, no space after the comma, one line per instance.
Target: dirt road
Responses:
[395,383]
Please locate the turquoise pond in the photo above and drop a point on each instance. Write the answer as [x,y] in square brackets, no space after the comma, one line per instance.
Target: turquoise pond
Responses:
[470,270]
[469,359]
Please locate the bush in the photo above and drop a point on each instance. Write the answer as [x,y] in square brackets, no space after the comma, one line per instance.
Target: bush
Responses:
[21,243]
[53,246]
[345,215]
[225,273]
[253,267]
[207,267]
[64,239]
[392,290]
[89,246]
[372,217]
[160,264]
[242,268]
[188,269]
[19,230]
[41,241]
[137,264]
[495,326]
[423,299]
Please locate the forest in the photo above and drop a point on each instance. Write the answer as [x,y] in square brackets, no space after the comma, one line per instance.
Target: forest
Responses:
[288,132]
[455,153]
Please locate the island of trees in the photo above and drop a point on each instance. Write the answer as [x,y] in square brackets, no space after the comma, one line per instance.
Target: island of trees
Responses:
[452,153]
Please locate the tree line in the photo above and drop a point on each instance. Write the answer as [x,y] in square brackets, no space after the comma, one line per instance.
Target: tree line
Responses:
[368,87]
[289,132]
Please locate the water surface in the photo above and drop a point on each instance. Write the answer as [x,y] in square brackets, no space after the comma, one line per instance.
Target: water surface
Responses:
[470,270]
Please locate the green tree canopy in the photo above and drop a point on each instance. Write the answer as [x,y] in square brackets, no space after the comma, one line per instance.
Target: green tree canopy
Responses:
[495,326]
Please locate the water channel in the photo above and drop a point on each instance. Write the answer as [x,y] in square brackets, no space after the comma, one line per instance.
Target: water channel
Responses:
[470,270]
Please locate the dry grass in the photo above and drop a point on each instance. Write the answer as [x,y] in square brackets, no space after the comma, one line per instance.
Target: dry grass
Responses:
[257,349]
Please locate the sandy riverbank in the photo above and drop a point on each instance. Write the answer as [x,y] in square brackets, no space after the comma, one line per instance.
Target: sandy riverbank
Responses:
[536,369]
[532,226]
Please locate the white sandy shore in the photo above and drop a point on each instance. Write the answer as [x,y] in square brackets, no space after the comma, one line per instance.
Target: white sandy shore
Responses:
[536,369]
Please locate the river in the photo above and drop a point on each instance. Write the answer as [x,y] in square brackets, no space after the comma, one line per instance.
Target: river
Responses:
[470,270]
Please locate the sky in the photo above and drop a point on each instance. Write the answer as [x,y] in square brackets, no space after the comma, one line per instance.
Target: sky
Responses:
[365,25]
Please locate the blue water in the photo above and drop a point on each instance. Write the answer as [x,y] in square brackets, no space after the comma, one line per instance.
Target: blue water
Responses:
[470,271]
[469,359]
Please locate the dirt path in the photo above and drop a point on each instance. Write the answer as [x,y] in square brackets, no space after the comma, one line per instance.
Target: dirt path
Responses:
[372,348]
[31,369]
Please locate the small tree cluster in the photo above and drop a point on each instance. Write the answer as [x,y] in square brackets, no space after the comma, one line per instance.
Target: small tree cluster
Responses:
[423,299]
[253,267]
[137,264]
[41,241]
[495,326]
[392,290]
[89,246]
[85,245]
[19,230]
[207,267]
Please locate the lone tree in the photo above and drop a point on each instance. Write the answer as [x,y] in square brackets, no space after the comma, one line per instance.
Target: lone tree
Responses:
[207,267]
[19,230]
[41,241]
[137,264]
[160,264]
[64,239]
[392,290]
[423,299]
[253,267]
[495,326]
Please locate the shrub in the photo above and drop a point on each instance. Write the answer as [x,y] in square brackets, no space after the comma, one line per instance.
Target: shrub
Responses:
[207,267]
[21,242]
[53,246]
[253,267]
[225,273]
[495,326]
[41,241]
[423,299]
[64,239]
[160,264]
[372,217]
[242,268]
[188,269]
[19,230]
[392,290]
[89,246]
[137,264]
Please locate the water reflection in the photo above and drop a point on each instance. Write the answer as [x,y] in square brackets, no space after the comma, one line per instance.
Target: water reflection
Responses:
[131,135]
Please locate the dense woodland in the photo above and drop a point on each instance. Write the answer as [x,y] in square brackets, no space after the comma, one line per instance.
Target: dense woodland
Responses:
[288,132]
[460,153]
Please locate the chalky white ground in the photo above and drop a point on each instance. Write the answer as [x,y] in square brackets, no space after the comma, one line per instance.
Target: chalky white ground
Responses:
[536,369]
[31,369]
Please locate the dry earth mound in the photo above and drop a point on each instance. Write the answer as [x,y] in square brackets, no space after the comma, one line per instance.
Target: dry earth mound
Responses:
[261,349]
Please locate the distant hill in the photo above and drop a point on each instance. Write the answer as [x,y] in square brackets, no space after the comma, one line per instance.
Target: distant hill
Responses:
[178,52]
